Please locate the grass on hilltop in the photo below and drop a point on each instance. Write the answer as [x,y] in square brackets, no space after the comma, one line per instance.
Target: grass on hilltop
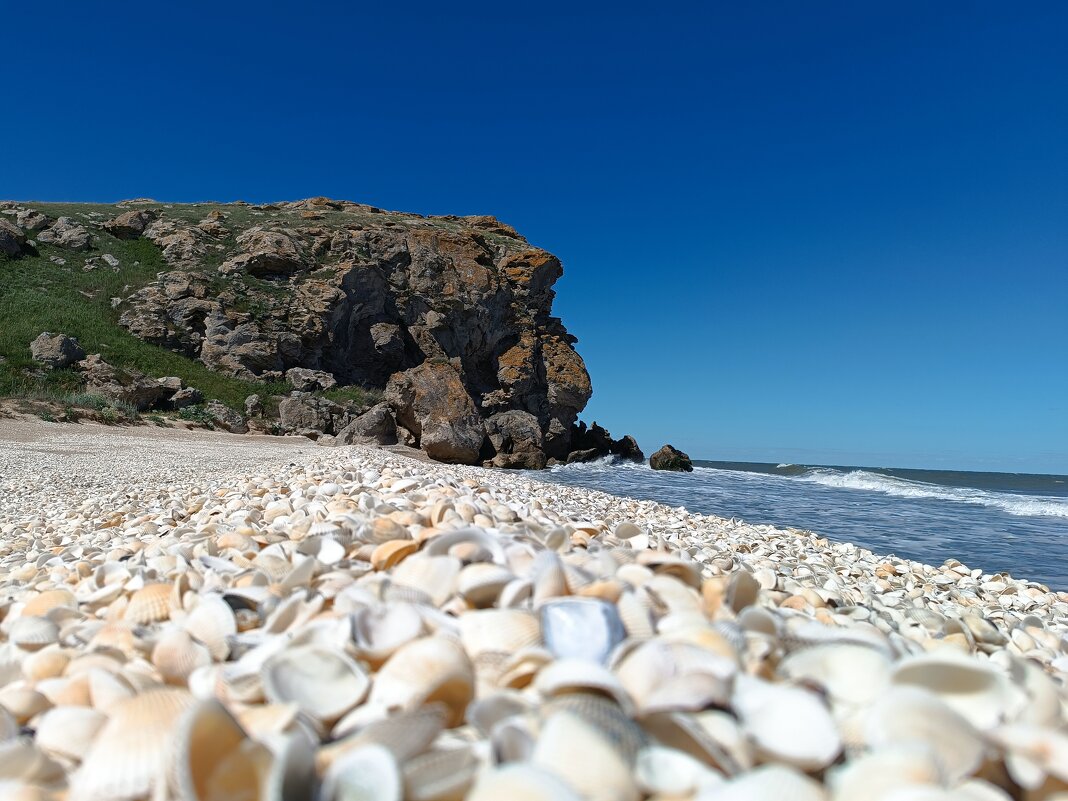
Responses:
[38,295]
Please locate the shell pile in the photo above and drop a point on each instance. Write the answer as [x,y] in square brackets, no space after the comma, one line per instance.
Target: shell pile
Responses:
[362,627]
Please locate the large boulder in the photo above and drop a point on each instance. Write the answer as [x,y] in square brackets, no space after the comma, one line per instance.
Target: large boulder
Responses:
[669,458]
[516,439]
[122,386]
[31,221]
[130,225]
[376,425]
[65,233]
[305,380]
[222,416]
[12,240]
[431,402]
[267,254]
[56,350]
[309,415]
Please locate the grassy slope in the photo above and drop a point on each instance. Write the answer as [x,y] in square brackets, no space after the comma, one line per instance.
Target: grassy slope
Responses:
[38,295]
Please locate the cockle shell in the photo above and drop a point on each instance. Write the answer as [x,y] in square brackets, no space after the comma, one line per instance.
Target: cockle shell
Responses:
[440,775]
[498,630]
[584,758]
[380,630]
[851,674]
[68,731]
[212,759]
[176,655]
[129,754]
[666,772]
[149,604]
[424,670]
[42,603]
[770,783]
[212,623]
[323,683]
[787,724]
[33,633]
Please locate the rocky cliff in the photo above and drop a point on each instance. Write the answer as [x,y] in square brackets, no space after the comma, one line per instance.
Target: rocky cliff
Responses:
[451,316]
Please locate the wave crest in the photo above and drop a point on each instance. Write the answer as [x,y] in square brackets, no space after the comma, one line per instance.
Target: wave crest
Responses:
[1021,505]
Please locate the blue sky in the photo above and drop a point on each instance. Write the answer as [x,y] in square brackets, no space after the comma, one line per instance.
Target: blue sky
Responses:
[822,232]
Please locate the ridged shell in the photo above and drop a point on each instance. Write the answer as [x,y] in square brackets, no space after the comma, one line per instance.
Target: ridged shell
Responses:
[435,575]
[368,773]
[33,633]
[481,583]
[425,670]
[129,754]
[853,674]
[380,630]
[68,731]
[42,603]
[212,623]
[212,758]
[498,630]
[579,754]
[521,782]
[442,775]
[176,655]
[149,604]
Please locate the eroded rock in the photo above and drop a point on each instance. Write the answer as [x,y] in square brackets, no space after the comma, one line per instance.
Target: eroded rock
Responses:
[56,350]
[670,458]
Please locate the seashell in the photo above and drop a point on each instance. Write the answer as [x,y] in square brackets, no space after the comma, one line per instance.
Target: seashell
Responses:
[850,674]
[479,539]
[786,724]
[129,753]
[149,604]
[601,772]
[881,773]
[975,690]
[367,773]
[581,628]
[9,727]
[379,631]
[176,655]
[392,552]
[481,583]
[498,630]
[778,782]
[605,715]
[626,530]
[23,702]
[435,575]
[425,670]
[68,731]
[212,758]
[672,564]
[910,716]
[547,577]
[21,760]
[1033,753]
[442,775]
[15,790]
[47,663]
[485,713]
[106,689]
[663,676]
[324,684]
[405,734]
[574,675]
[44,602]
[521,668]
[666,772]
[521,782]
[33,633]
[635,616]
[212,623]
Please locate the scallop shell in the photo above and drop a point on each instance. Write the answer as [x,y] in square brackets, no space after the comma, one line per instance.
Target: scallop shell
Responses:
[323,683]
[129,754]
[149,604]
[405,734]
[44,602]
[68,731]
[581,628]
[48,663]
[787,724]
[23,701]
[425,670]
[435,575]
[521,782]
[498,630]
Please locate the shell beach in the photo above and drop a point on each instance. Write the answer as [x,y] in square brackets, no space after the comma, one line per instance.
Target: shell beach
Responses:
[197,617]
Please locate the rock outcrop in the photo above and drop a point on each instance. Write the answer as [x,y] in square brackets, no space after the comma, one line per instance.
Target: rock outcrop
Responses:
[453,314]
[66,233]
[56,350]
[12,240]
[669,458]
[121,386]
[376,425]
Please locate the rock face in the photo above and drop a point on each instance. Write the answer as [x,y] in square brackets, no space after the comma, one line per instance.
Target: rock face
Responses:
[56,350]
[365,296]
[129,225]
[375,425]
[226,418]
[12,240]
[305,380]
[430,401]
[123,386]
[65,233]
[669,458]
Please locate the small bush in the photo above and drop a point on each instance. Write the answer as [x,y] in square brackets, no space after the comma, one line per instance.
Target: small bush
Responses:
[197,414]
[48,417]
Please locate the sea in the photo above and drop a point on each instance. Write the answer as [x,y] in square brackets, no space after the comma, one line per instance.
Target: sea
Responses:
[1015,523]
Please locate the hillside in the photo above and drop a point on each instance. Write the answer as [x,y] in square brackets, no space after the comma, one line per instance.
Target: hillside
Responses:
[319,308]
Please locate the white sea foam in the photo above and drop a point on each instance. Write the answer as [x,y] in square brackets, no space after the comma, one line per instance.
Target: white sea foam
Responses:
[1021,505]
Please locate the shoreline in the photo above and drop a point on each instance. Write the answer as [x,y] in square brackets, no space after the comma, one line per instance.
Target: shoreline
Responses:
[301,540]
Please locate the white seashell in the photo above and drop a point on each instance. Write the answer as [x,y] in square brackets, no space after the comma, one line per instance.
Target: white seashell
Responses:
[33,633]
[627,530]
[498,630]
[584,758]
[129,754]
[850,674]
[212,623]
[521,782]
[440,775]
[1033,753]
[367,773]
[68,731]
[149,604]
[380,630]
[324,684]
[575,675]
[909,716]
[434,575]
[211,756]
[667,772]
[743,589]
[425,670]
[481,583]
[978,692]
[581,628]
[176,655]
[881,773]
[769,783]
[787,724]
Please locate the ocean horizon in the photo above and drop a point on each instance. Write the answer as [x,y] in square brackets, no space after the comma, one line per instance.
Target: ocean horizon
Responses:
[1015,523]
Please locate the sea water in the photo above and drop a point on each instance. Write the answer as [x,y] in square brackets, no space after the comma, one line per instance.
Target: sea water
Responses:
[999,522]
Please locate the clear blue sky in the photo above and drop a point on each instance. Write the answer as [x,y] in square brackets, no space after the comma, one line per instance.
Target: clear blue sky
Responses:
[792,231]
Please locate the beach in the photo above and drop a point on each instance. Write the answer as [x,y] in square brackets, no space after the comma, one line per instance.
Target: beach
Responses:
[201,615]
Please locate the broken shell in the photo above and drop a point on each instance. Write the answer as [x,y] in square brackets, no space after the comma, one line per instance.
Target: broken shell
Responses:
[322,683]
[425,670]
[584,758]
